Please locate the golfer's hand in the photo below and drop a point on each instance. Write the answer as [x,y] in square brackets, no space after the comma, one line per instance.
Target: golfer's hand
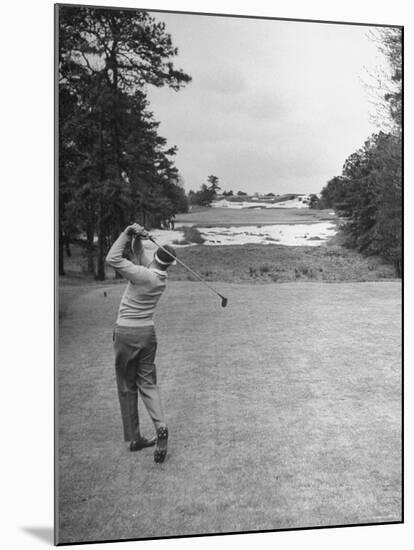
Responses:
[137,230]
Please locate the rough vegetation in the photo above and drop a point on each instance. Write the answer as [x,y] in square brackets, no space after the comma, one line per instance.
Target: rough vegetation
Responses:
[265,264]
[280,264]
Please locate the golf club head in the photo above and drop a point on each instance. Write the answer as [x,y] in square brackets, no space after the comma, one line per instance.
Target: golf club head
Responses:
[223,301]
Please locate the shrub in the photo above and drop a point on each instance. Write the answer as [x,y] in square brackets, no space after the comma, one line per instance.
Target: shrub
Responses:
[264,268]
[192,235]
[183,241]
[331,251]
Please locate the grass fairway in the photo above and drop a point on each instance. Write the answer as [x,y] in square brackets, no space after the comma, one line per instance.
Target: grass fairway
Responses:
[283,409]
[249,216]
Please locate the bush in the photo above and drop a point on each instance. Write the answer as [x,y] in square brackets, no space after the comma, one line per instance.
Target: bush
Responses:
[264,268]
[182,242]
[192,235]
[333,251]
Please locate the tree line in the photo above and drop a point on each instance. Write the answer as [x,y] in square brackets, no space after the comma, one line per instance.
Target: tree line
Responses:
[113,165]
[368,193]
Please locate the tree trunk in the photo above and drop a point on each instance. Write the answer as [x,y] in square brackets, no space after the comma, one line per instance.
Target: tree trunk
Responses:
[111,239]
[398,268]
[100,263]
[100,271]
[67,248]
[90,252]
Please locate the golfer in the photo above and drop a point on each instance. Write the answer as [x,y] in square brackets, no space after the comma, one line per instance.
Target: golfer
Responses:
[134,338]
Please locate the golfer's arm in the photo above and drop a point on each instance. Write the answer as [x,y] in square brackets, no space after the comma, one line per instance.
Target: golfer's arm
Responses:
[134,273]
[141,257]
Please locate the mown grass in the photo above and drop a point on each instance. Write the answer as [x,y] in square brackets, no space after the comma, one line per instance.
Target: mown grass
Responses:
[248,216]
[284,411]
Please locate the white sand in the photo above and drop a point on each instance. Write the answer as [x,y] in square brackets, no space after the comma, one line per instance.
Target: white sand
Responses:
[286,235]
[298,202]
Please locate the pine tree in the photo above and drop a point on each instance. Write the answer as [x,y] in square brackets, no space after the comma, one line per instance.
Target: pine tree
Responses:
[107,57]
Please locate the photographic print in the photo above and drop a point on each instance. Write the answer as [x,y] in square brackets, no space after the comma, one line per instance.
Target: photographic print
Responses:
[229,195]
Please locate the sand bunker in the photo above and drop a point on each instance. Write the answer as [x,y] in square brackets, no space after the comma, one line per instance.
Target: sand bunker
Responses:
[285,235]
[299,202]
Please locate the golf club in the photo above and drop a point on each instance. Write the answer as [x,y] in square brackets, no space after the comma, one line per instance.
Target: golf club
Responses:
[223,299]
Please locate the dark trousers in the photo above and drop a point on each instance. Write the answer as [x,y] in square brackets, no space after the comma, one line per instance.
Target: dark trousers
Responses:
[135,349]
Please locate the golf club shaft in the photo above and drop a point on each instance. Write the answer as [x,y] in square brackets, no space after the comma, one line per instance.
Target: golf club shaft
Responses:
[187,268]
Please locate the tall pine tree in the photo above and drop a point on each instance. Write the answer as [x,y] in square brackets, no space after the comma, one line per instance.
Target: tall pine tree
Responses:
[110,150]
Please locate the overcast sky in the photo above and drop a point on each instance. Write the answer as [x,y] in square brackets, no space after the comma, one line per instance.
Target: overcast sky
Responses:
[274,106]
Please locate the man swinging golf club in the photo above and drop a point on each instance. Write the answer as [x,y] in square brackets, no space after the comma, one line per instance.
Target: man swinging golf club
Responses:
[134,338]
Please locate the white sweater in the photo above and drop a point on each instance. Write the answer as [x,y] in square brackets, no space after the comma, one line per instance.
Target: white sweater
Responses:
[144,288]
